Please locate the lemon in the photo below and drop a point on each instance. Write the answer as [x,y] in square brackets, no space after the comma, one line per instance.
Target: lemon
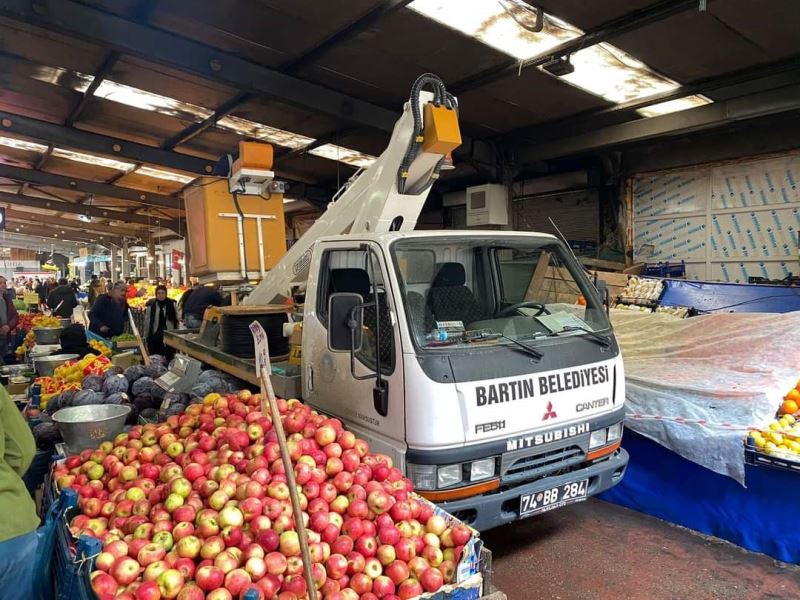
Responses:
[776,437]
[790,418]
[760,442]
[774,426]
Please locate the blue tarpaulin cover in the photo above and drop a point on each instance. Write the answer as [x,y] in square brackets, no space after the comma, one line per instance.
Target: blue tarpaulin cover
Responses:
[660,483]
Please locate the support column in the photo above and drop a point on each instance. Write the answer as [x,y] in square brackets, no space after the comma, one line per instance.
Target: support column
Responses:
[114,263]
[187,254]
[125,260]
[152,264]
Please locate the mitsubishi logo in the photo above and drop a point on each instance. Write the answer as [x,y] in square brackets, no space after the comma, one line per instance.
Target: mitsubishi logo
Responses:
[550,414]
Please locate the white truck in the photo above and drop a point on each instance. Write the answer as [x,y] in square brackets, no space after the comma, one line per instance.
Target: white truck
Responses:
[454,351]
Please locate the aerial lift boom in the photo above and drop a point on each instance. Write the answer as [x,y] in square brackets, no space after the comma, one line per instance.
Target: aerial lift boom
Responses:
[386,196]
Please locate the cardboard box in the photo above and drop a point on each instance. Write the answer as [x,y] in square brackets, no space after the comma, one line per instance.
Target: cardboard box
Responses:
[124,359]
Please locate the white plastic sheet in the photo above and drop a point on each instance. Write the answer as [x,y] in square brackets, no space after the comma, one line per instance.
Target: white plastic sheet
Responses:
[697,385]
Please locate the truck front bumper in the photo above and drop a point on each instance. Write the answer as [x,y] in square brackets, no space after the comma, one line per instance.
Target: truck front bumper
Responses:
[498,508]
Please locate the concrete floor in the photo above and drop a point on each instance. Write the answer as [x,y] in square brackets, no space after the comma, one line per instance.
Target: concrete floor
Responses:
[600,551]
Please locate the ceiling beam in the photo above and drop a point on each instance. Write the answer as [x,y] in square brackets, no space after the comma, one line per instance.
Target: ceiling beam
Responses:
[359,24]
[94,142]
[604,32]
[88,187]
[72,224]
[694,119]
[103,144]
[92,211]
[99,75]
[195,129]
[164,47]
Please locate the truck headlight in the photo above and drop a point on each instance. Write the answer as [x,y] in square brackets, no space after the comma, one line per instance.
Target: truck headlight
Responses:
[448,475]
[481,469]
[614,432]
[422,476]
[597,439]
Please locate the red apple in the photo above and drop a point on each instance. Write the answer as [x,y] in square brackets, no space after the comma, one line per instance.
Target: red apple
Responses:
[103,584]
[382,586]
[209,577]
[410,588]
[148,590]
[361,583]
[336,566]
[236,580]
[276,563]
[170,583]
[125,570]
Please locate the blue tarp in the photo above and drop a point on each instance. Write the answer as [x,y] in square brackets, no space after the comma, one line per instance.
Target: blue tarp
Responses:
[760,518]
[714,296]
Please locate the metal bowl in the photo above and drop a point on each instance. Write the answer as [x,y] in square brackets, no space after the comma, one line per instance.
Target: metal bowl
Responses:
[11,370]
[46,365]
[88,426]
[47,335]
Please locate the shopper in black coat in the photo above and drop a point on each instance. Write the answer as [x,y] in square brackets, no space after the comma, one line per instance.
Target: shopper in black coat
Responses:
[62,299]
[161,315]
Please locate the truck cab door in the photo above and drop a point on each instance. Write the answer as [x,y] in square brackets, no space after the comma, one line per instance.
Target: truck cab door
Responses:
[329,382]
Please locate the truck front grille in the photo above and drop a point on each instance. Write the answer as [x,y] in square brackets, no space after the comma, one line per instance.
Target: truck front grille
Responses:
[516,468]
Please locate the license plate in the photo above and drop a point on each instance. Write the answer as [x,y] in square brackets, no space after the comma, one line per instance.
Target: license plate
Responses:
[554,497]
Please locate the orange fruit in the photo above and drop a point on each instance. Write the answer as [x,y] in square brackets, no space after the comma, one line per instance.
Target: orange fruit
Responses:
[794,395]
[789,407]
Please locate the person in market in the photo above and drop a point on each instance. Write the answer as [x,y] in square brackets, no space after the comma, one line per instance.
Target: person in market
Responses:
[18,539]
[73,341]
[62,300]
[161,315]
[110,312]
[95,290]
[195,305]
[8,318]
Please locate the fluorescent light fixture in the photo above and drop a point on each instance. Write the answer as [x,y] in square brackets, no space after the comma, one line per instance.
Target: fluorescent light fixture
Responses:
[607,71]
[167,175]
[671,106]
[93,159]
[85,218]
[141,99]
[289,200]
[350,157]
[259,131]
[22,144]
[600,69]
[144,100]
[499,24]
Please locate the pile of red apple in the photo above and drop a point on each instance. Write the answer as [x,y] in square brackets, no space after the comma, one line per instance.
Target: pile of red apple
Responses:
[198,508]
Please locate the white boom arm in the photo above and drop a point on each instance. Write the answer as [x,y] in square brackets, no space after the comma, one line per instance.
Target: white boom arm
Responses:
[371,203]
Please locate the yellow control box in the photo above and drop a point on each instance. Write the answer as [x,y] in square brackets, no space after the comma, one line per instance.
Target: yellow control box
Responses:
[441,131]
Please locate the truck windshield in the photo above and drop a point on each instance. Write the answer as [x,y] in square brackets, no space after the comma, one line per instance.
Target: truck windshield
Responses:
[485,291]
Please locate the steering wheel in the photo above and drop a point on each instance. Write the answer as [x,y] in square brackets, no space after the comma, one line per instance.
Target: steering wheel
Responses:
[509,309]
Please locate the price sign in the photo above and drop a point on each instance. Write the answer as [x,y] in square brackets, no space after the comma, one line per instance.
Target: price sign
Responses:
[261,346]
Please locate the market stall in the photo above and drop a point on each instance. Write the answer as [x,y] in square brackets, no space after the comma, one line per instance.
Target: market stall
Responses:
[366,529]
[709,410]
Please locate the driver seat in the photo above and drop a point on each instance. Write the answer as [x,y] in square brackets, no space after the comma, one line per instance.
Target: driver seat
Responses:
[450,299]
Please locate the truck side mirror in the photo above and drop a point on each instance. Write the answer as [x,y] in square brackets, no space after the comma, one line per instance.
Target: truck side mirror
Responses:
[345,322]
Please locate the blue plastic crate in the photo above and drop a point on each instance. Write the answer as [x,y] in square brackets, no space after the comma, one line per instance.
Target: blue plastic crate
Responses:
[665,269]
[72,564]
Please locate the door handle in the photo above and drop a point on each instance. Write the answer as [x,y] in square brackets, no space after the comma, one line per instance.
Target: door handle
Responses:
[310,375]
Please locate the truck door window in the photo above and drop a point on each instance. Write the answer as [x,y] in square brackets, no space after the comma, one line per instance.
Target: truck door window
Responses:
[349,271]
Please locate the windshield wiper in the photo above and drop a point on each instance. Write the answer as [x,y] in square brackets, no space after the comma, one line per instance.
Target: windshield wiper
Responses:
[592,335]
[532,351]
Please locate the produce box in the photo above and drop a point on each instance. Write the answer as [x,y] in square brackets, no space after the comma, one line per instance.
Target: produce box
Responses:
[462,580]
